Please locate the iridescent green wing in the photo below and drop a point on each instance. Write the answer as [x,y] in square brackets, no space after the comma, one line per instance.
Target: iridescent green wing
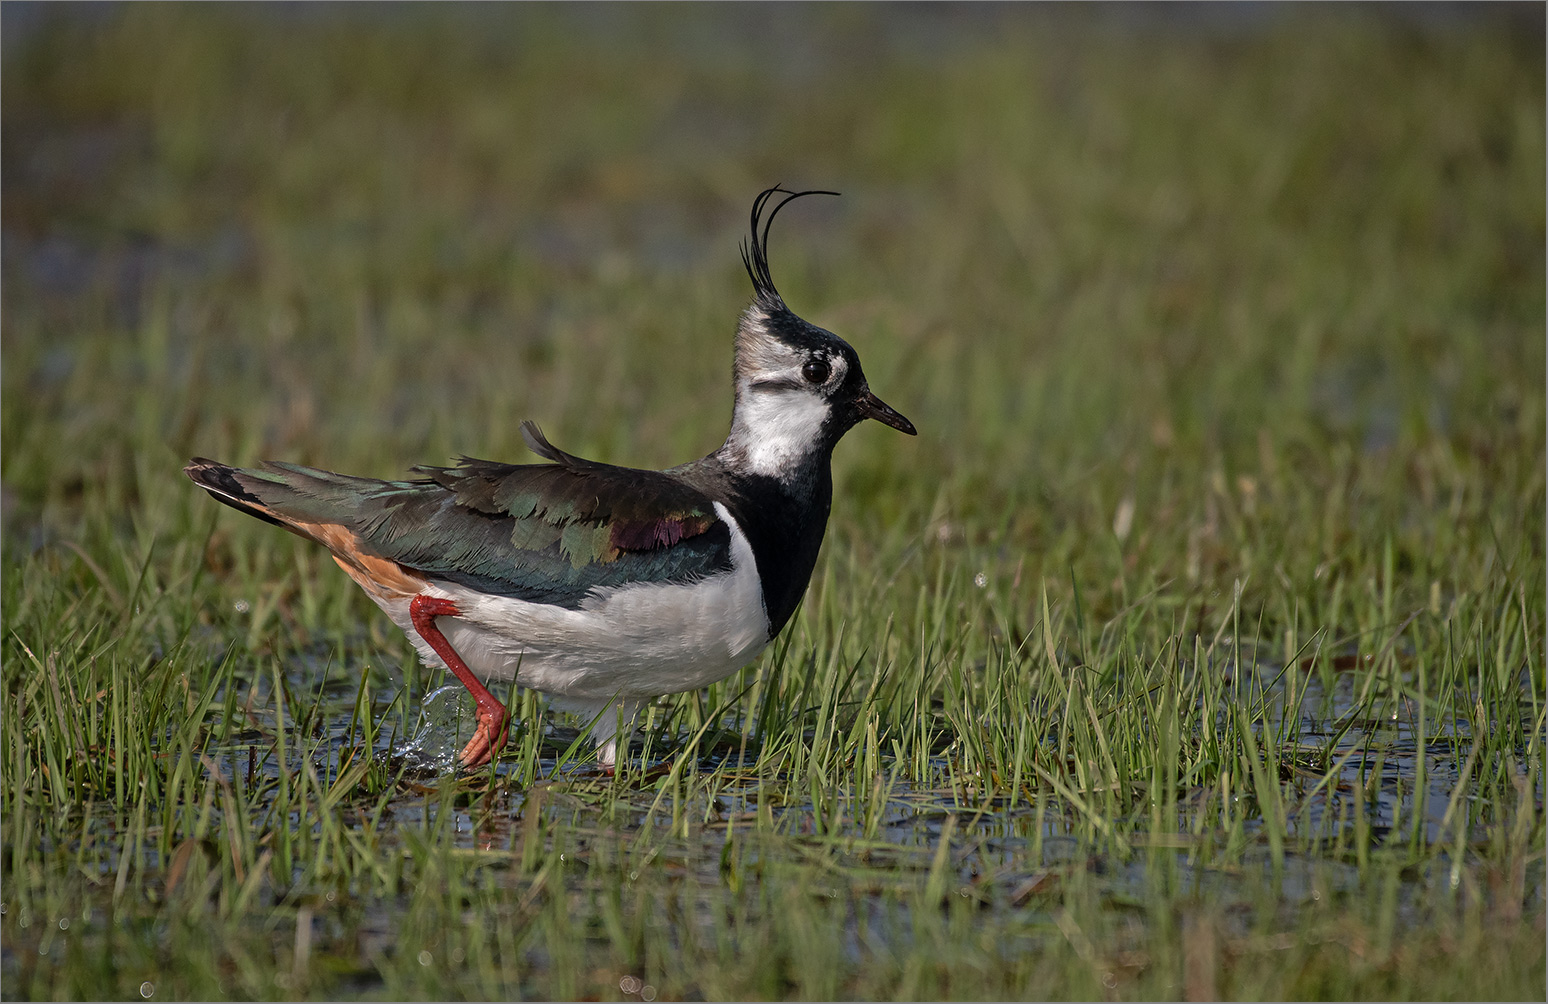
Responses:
[545,533]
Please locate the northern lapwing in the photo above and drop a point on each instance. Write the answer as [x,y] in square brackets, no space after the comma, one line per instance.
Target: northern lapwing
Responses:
[601,586]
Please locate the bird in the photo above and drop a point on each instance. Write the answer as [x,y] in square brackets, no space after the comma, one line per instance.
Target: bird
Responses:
[603,587]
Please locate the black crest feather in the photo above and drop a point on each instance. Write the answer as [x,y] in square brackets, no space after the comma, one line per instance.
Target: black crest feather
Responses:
[755,250]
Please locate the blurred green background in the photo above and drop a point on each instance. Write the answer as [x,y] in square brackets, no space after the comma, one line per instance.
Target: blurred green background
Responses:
[1096,254]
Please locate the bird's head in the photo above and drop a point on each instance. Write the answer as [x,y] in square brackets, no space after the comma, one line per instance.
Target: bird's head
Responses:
[799,387]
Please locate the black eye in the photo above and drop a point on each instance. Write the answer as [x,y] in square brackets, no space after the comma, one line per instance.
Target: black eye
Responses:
[816,371]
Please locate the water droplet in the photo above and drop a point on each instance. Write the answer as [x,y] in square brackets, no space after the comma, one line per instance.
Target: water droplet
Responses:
[146,989]
[241,607]
[64,923]
[630,984]
[425,958]
[980,580]
[648,993]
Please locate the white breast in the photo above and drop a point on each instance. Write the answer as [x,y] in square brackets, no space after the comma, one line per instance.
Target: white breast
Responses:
[639,640]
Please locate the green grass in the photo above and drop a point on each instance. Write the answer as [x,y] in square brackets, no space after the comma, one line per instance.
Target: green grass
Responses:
[1195,647]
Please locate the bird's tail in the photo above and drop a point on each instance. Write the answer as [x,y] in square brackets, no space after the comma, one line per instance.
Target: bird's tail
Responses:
[286,495]
[331,509]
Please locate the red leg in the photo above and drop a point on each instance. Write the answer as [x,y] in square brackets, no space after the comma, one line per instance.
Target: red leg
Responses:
[493,719]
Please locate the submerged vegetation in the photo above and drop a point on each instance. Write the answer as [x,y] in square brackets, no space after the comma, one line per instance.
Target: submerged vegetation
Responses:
[1195,648]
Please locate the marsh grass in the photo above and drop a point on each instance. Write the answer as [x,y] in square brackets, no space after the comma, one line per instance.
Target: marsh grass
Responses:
[1195,648]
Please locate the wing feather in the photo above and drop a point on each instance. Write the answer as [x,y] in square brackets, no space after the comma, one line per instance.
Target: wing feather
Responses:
[546,533]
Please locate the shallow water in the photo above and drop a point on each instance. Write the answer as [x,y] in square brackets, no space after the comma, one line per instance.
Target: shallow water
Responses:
[1391,766]
[868,851]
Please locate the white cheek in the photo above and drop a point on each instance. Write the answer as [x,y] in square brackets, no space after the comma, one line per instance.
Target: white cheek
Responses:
[779,428]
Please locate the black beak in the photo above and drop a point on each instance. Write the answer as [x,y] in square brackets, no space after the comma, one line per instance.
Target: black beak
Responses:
[871,406]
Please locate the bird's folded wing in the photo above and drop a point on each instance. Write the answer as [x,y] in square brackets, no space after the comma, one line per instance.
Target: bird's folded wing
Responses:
[545,533]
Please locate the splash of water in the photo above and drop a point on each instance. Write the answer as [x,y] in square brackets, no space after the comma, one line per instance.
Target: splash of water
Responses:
[443,716]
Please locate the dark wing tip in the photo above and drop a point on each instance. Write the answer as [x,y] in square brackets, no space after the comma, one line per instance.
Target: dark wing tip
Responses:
[215,476]
[221,482]
[755,250]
